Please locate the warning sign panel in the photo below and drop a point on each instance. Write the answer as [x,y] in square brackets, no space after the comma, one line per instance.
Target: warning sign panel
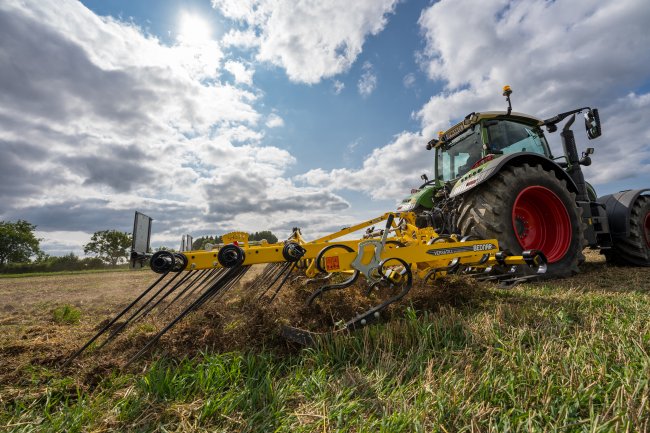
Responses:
[331,263]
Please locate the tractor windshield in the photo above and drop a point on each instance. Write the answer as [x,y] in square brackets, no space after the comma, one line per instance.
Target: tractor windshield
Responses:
[457,158]
[504,137]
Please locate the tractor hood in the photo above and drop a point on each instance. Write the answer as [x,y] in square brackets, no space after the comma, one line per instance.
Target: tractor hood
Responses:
[419,197]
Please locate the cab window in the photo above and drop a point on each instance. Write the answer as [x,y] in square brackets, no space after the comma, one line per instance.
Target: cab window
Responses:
[504,137]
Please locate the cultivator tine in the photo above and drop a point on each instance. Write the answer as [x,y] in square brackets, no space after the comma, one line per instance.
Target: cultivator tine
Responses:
[224,282]
[373,314]
[319,292]
[115,319]
[195,274]
[266,274]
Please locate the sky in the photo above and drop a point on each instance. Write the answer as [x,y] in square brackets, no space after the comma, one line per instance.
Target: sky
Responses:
[222,115]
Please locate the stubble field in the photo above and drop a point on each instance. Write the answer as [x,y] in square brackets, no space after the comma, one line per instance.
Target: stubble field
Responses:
[564,355]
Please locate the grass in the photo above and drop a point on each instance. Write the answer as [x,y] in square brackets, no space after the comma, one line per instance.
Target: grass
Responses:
[536,358]
[48,274]
[66,314]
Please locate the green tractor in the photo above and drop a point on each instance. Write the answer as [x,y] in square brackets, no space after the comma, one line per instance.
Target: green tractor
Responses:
[495,177]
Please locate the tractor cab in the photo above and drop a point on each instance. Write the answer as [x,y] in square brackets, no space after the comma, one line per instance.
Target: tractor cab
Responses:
[483,137]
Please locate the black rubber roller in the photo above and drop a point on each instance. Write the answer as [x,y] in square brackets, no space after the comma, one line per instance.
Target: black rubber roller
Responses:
[162,261]
[292,252]
[231,256]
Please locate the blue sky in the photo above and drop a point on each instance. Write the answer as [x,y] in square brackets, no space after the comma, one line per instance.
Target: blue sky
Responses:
[222,115]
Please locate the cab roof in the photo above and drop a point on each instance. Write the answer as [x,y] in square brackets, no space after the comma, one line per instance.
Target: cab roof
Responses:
[473,118]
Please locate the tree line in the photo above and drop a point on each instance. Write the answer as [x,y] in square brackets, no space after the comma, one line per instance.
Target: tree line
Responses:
[20,250]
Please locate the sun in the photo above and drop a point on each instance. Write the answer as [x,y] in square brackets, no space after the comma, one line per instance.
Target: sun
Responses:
[193,30]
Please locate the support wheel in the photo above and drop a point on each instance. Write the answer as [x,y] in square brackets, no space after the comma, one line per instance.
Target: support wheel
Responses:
[527,208]
[635,249]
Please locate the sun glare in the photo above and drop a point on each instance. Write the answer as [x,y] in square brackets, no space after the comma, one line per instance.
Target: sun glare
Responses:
[193,30]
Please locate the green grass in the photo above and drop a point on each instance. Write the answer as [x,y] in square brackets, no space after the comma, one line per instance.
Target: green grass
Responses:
[535,359]
[48,274]
[66,314]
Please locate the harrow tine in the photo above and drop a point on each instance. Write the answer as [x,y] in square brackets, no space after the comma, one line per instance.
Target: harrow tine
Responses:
[115,319]
[221,292]
[224,281]
[209,282]
[267,273]
[277,276]
[205,275]
[284,280]
[319,292]
[136,315]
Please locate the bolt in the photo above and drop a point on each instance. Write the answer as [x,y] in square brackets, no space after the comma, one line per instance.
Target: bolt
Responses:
[376,314]
[363,321]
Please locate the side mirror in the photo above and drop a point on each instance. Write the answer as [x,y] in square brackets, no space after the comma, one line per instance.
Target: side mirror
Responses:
[592,124]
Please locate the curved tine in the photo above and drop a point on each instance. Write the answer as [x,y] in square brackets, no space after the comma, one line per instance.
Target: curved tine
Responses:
[284,280]
[285,266]
[115,319]
[364,318]
[372,286]
[318,279]
[451,268]
[209,282]
[135,317]
[204,277]
[319,292]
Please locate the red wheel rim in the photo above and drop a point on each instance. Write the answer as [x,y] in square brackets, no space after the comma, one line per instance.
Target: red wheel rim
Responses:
[541,222]
[646,226]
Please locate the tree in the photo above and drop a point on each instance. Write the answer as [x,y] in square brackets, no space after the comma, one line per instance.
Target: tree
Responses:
[109,245]
[17,242]
[265,234]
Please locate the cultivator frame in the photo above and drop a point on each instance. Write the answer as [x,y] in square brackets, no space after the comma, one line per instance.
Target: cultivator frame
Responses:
[391,257]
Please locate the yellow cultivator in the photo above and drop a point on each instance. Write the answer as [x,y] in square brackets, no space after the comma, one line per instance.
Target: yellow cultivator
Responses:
[390,257]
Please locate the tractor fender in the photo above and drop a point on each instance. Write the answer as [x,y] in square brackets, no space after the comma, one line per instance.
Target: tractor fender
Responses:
[483,173]
[618,207]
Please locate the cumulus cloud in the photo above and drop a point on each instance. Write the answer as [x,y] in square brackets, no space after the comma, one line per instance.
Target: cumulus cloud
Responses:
[310,40]
[274,121]
[98,119]
[241,73]
[368,81]
[556,56]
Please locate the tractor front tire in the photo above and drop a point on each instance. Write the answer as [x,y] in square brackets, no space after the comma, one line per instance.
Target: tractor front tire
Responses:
[527,207]
[634,250]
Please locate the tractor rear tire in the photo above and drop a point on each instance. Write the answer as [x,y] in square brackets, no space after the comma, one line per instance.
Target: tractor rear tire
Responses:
[527,207]
[634,250]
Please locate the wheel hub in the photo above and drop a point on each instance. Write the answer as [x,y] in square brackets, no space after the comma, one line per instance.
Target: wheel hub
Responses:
[541,221]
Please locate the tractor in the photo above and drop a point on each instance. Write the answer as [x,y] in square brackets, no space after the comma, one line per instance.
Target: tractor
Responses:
[495,177]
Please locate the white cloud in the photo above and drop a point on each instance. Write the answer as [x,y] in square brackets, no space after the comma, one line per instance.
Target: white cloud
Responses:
[368,81]
[338,87]
[274,121]
[310,40]
[556,56]
[241,73]
[102,119]
[409,80]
